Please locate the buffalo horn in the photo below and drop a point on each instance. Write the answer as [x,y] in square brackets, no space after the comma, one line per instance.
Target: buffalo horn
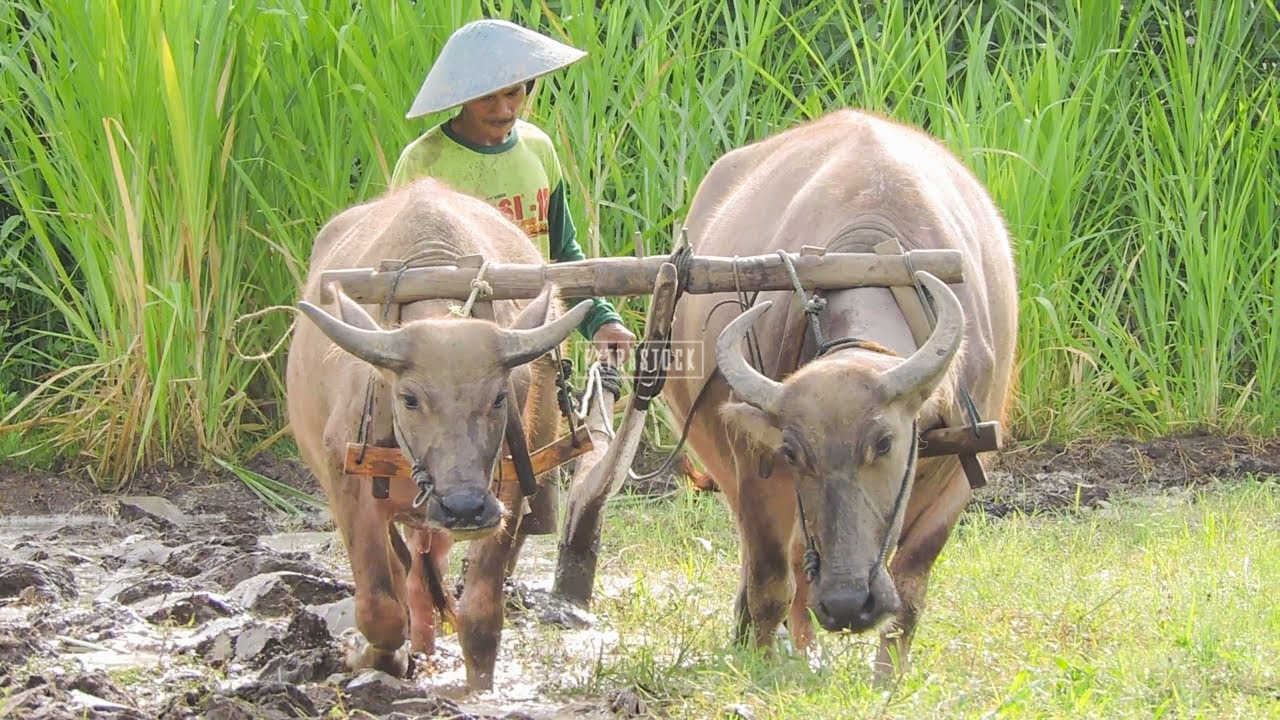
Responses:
[926,365]
[521,346]
[377,347]
[748,383]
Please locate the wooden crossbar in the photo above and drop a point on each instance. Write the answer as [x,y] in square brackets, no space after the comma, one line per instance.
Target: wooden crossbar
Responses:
[960,440]
[389,462]
[623,276]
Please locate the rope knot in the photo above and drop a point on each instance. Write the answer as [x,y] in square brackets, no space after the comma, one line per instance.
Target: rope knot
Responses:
[815,305]
[479,287]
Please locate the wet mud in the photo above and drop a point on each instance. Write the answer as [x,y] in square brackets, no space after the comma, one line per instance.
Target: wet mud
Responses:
[183,596]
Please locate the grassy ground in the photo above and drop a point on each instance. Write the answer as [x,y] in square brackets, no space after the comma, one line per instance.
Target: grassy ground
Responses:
[1156,606]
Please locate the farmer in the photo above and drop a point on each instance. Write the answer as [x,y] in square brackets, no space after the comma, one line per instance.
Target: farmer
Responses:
[487,150]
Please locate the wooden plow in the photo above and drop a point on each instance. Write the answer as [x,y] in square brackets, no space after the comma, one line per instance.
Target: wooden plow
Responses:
[605,455]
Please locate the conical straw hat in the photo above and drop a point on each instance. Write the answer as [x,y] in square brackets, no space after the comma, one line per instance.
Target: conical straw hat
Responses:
[485,56]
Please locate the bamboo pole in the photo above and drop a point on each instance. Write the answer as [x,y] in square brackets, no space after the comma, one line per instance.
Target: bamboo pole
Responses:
[622,276]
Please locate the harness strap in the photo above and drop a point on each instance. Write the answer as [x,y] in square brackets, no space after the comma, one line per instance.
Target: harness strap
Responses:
[812,306]
[362,434]
[921,316]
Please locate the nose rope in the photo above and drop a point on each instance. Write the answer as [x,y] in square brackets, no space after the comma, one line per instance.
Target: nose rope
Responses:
[812,558]
[418,472]
[900,503]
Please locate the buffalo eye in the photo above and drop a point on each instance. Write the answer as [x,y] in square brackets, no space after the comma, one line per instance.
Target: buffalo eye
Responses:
[787,454]
[410,400]
[884,445]
[500,400]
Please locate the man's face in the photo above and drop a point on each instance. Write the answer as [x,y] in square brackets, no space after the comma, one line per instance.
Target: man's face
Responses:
[487,121]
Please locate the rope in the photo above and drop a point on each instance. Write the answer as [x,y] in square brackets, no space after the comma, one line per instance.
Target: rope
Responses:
[682,258]
[235,346]
[684,434]
[900,502]
[362,436]
[753,342]
[600,377]
[479,286]
[813,305]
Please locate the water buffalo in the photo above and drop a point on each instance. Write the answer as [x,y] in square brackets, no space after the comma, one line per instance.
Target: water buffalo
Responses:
[440,394]
[839,432]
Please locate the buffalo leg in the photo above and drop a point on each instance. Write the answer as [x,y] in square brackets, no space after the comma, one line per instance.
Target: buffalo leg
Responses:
[799,623]
[917,551]
[425,587]
[381,615]
[480,609]
[766,518]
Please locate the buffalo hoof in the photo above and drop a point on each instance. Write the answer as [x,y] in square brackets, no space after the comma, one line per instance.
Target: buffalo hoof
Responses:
[360,655]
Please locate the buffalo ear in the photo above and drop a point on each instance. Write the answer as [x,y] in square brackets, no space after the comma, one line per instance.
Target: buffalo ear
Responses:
[352,313]
[759,426]
[537,312]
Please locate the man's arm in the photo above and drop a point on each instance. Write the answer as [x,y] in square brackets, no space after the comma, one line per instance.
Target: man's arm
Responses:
[565,248]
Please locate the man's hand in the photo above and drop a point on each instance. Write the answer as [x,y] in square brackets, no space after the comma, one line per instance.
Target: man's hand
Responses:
[613,343]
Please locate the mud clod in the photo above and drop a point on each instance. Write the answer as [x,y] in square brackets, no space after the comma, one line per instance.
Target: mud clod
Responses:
[280,593]
[130,590]
[242,567]
[71,697]
[374,692]
[150,507]
[628,702]
[103,620]
[192,559]
[19,644]
[251,701]
[186,609]
[32,581]
[546,608]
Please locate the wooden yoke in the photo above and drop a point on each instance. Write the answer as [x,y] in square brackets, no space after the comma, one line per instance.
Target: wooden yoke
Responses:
[621,276]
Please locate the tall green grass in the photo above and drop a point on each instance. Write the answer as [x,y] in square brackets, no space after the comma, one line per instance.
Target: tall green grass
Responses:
[171,163]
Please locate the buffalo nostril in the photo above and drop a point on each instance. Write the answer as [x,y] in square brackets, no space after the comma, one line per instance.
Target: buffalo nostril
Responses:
[869,612]
[462,507]
[828,617]
[840,611]
[849,608]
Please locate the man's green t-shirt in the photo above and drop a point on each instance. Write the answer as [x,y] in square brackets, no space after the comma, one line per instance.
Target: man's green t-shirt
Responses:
[521,177]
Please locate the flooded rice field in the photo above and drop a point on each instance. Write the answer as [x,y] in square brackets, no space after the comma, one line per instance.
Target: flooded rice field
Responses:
[197,602]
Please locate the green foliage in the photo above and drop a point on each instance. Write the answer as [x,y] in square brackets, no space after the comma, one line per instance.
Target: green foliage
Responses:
[171,162]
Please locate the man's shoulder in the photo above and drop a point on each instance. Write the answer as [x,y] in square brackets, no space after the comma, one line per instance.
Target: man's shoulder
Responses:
[536,141]
[531,133]
[424,155]
[534,137]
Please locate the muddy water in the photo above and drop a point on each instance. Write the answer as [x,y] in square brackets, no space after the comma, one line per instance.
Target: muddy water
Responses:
[151,619]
